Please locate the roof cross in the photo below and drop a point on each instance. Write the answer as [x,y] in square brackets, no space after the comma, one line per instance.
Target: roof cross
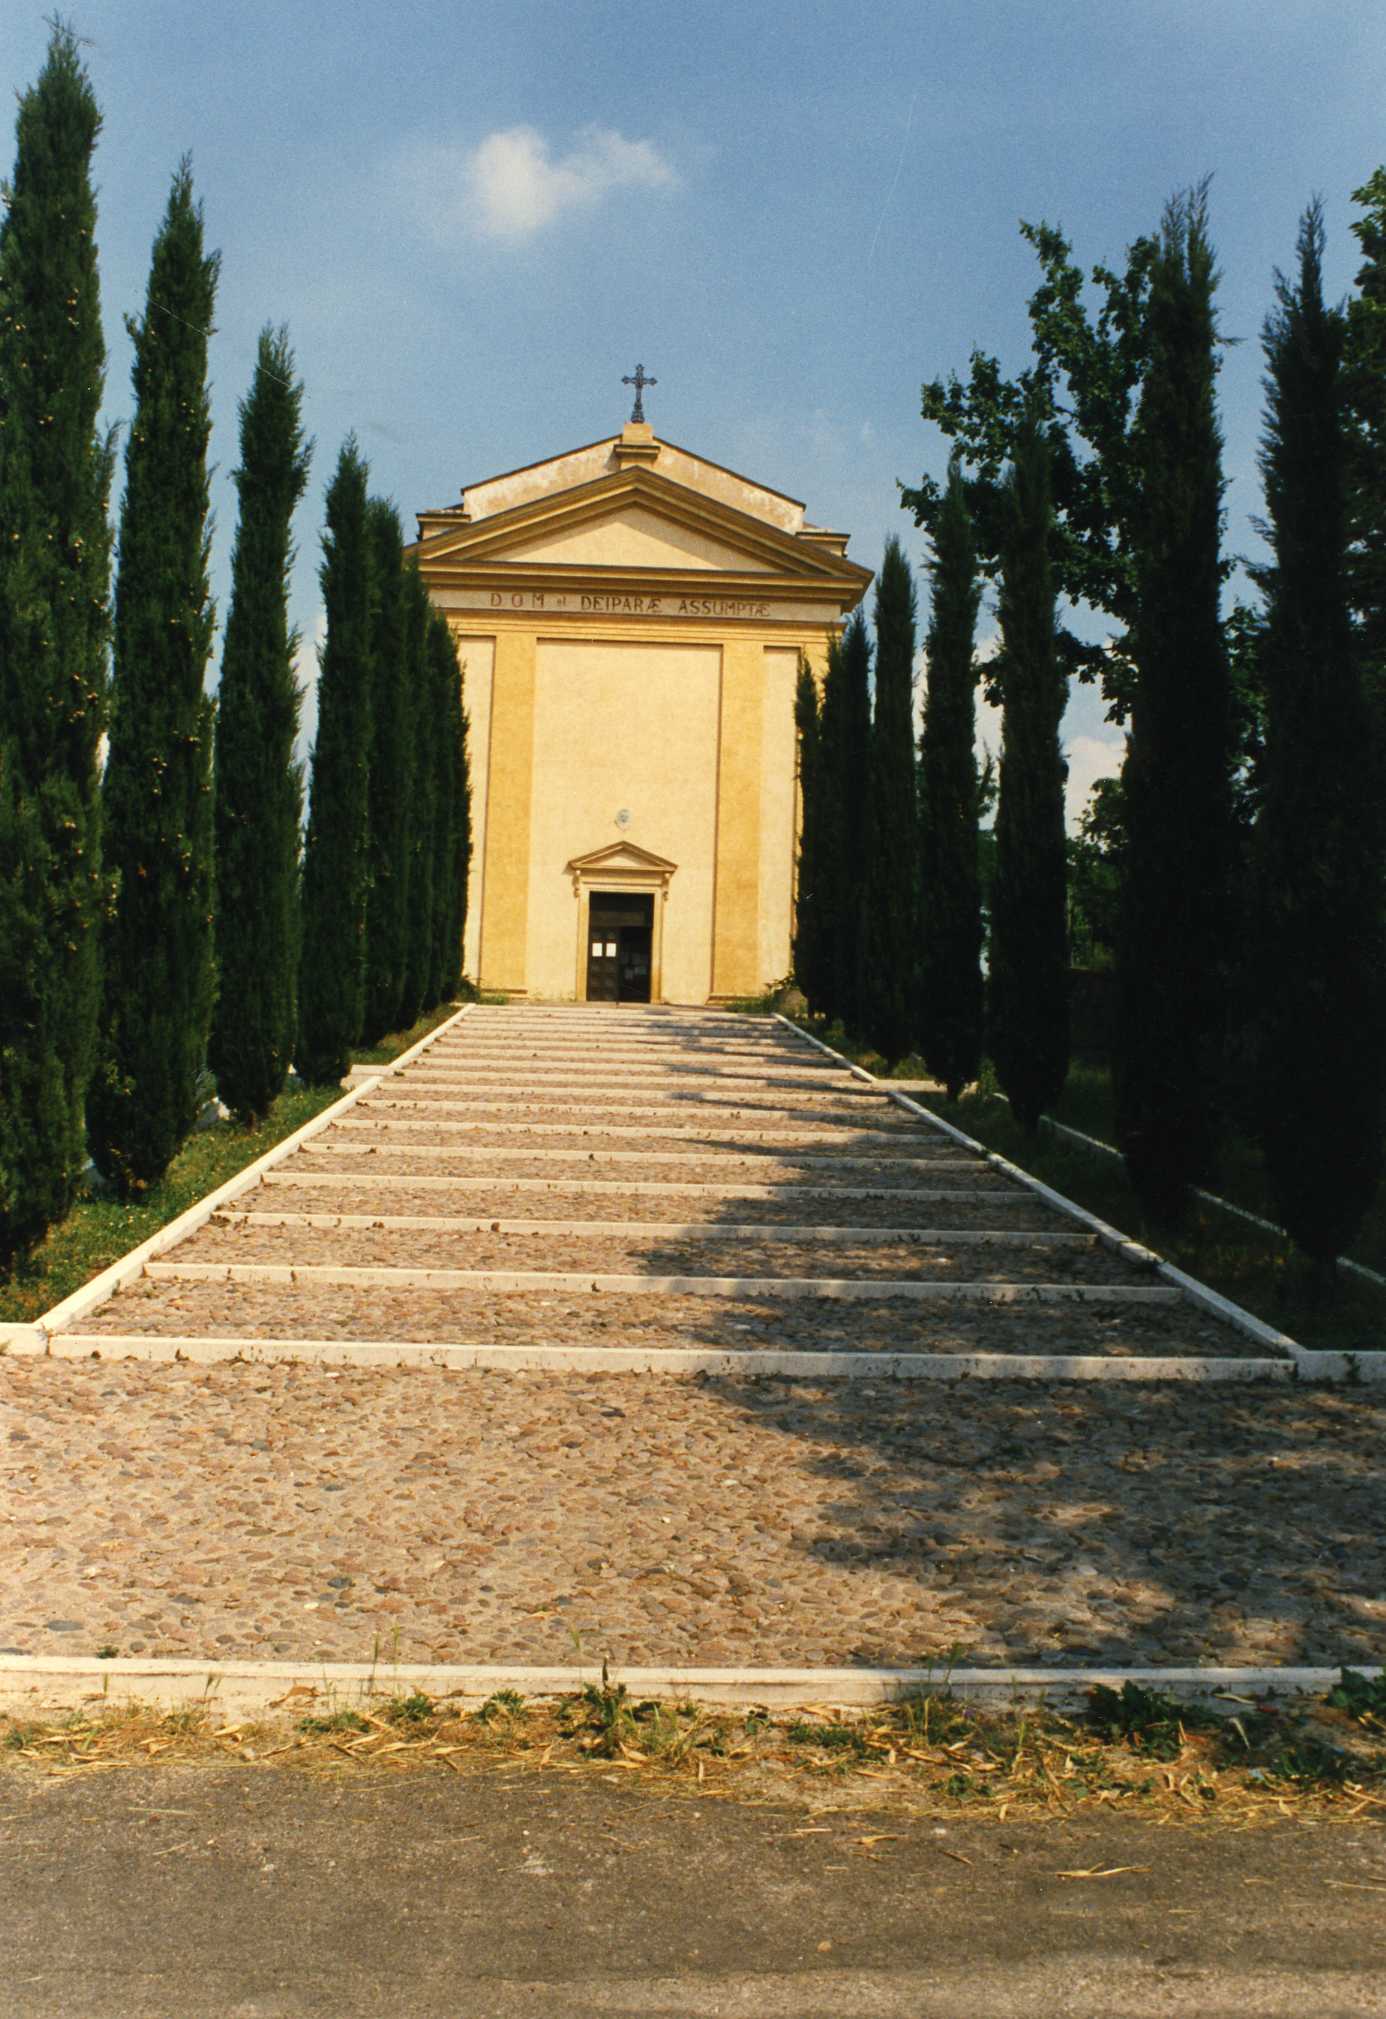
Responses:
[639,382]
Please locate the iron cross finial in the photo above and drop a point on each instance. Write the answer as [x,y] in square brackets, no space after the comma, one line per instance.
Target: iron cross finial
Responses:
[639,382]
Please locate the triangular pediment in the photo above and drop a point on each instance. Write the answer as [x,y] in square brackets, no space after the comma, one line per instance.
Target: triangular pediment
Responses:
[621,858]
[629,525]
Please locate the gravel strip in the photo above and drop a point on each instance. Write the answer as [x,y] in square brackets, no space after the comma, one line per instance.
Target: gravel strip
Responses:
[297,1512]
[611,1318]
[793,1206]
[423,1248]
[407,1103]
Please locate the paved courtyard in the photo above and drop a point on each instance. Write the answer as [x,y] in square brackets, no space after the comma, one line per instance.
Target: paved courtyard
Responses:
[493,1514]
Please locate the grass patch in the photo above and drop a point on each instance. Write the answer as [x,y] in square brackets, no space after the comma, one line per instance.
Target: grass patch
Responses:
[1133,1750]
[100,1229]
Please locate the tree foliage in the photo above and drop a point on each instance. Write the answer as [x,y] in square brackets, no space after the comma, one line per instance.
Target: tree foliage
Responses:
[1174,940]
[809,937]
[1319,839]
[391,775]
[423,801]
[950,1011]
[452,818]
[55,472]
[1028,997]
[157,792]
[891,880]
[259,784]
[844,774]
[1364,392]
[1084,383]
[335,856]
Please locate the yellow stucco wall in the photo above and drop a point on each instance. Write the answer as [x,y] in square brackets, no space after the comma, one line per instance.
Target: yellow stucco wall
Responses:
[623,726]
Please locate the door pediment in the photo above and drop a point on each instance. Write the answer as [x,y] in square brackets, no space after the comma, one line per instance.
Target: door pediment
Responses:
[620,859]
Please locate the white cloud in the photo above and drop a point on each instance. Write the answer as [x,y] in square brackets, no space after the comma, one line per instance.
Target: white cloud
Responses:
[1090,758]
[511,184]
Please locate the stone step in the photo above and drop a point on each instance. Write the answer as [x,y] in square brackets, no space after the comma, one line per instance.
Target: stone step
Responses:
[411,1127]
[502,1282]
[696,1109]
[686,1319]
[330,1145]
[1000,1194]
[607,1093]
[665,1230]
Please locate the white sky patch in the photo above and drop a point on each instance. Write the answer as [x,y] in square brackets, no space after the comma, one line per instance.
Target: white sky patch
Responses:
[1090,758]
[306,673]
[512,184]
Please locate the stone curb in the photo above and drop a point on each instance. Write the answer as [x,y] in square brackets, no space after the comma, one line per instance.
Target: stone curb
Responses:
[29,1683]
[748,1363]
[508,1282]
[86,1299]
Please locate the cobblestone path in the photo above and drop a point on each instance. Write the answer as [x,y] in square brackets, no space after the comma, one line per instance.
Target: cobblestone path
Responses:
[675,1182]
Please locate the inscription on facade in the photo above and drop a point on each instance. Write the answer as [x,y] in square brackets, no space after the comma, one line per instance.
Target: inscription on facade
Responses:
[632,606]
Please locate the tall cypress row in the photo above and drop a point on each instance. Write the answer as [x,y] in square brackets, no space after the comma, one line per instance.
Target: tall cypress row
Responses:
[391,774]
[55,474]
[331,994]
[157,792]
[951,991]
[419,874]
[1364,363]
[1319,838]
[892,840]
[808,925]
[259,784]
[1027,1023]
[1174,939]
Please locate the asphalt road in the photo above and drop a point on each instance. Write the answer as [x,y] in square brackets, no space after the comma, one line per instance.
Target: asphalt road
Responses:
[231,1893]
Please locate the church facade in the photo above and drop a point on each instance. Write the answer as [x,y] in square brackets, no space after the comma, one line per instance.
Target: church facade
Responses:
[630,619]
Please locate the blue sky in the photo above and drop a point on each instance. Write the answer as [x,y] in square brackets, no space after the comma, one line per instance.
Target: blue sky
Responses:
[476,218]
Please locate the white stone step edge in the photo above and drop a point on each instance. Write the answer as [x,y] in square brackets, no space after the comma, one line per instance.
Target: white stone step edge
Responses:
[710,1231]
[245,1689]
[664,1131]
[640,1188]
[490,1152]
[1314,1364]
[512,1282]
[62,1316]
[1345,1262]
[737,1363]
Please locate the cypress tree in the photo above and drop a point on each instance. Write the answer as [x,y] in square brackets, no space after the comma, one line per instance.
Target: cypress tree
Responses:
[950,967]
[55,473]
[1365,395]
[259,785]
[331,991]
[391,769]
[808,925]
[892,839]
[1028,1004]
[845,758]
[1173,943]
[157,794]
[452,826]
[1319,838]
[419,876]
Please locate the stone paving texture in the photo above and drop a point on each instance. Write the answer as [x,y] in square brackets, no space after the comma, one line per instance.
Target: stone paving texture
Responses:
[301,1511]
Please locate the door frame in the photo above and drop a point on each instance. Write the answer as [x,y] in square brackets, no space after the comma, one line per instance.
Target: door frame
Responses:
[621,879]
